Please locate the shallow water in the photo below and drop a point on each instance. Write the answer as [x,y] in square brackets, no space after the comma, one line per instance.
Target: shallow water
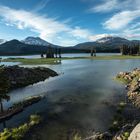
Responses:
[9,63]
[80,98]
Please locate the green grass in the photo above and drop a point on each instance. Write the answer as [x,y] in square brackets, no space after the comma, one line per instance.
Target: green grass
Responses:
[37,61]
[122,80]
[19,132]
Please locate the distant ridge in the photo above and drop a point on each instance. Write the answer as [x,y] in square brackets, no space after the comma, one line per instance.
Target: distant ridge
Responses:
[36,45]
[107,44]
[16,47]
[30,45]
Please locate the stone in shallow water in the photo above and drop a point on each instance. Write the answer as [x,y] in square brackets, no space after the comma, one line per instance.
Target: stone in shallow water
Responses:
[135,134]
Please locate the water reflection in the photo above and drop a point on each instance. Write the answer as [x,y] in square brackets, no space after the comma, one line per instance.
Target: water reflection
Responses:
[81,98]
[9,63]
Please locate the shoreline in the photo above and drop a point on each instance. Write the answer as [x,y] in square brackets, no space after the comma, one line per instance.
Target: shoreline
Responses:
[125,125]
[53,61]
[131,81]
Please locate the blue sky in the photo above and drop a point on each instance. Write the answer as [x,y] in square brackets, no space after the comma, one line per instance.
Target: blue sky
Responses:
[68,22]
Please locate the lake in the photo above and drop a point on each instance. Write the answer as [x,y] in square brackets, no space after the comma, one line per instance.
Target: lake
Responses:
[81,98]
[63,55]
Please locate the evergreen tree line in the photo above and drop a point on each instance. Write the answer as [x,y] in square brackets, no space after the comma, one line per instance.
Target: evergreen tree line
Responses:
[130,49]
[52,53]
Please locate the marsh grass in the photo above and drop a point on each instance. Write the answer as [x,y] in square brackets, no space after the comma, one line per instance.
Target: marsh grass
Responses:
[54,61]
[19,132]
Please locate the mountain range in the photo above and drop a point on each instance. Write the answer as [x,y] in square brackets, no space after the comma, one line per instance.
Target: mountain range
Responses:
[30,45]
[107,44]
[36,45]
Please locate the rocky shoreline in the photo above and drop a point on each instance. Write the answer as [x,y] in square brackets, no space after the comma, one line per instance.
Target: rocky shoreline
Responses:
[125,125]
[20,77]
[132,84]
[132,81]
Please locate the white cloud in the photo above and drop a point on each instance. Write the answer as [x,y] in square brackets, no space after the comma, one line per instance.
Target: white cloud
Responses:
[98,36]
[124,20]
[132,36]
[121,19]
[47,28]
[111,5]
[106,6]
[133,32]
[41,5]
[80,33]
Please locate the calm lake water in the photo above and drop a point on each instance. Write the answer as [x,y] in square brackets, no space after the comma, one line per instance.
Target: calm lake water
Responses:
[80,99]
[63,55]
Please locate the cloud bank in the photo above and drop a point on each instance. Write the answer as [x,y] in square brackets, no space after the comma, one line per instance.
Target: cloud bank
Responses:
[121,19]
[48,28]
[124,16]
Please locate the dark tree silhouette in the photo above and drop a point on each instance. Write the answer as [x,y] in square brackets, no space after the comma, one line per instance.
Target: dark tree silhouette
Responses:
[4,87]
[59,52]
[93,51]
[42,55]
[133,49]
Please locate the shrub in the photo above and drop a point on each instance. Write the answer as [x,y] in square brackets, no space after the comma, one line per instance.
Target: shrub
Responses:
[19,132]
[35,119]
[77,137]
[126,135]
[5,135]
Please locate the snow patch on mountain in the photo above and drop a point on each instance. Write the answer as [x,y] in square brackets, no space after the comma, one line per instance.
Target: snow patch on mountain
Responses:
[110,39]
[2,41]
[35,41]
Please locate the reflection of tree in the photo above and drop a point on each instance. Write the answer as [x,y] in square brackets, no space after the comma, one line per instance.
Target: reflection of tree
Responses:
[4,87]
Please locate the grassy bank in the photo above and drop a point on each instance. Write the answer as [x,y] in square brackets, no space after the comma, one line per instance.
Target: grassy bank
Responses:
[36,61]
[19,132]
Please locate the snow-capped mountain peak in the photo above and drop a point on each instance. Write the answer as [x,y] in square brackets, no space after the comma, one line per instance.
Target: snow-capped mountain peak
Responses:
[105,39]
[110,39]
[35,41]
[2,41]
